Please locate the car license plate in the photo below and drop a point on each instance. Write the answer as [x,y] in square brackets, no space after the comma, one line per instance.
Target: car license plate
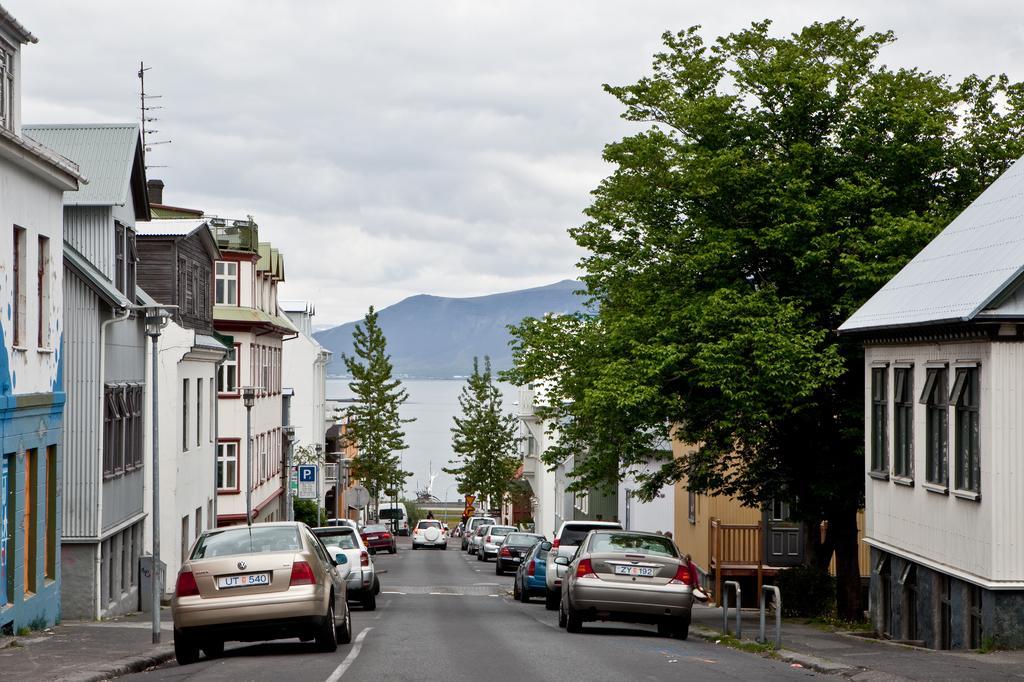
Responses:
[517,559]
[642,571]
[246,580]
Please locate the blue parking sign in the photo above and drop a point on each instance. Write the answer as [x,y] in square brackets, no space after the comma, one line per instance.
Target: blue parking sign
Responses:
[307,473]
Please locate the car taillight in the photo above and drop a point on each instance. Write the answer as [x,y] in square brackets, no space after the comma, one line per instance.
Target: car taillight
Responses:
[487,539]
[386,536]
[186,585]
[555,543]
[505,552]
[532,568]
[682,577]
[364,558]
[302,574]
[584,569]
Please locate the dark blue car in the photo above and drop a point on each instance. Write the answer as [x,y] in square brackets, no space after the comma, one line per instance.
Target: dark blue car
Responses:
[531,574]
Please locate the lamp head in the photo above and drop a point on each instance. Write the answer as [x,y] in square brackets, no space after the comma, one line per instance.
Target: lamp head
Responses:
[248,395]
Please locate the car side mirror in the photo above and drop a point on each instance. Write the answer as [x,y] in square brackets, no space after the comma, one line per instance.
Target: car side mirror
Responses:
[545,546]
[340,559]
[562,560]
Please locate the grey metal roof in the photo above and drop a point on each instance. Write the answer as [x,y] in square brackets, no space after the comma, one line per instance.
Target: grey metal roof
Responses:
[977,258]
[171,227]
[96,280]
[105,154]
[16,27]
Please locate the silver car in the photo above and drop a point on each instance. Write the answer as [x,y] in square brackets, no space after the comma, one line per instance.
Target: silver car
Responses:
[566,540]
[361,581]
[490,542]
[472,526]
[626,576]
[477,538]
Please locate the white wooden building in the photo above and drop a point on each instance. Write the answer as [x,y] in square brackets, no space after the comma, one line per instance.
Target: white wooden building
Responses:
[944,410]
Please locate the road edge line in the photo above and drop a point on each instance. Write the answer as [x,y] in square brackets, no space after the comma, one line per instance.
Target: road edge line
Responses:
[343,667]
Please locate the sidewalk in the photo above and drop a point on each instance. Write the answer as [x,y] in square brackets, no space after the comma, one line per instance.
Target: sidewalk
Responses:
[859,657]
[86,651]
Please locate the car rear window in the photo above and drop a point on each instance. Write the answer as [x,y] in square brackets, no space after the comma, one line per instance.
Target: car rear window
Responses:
[521,540]
[501,530]
[375,529]
[247,540]
[632,542]
[476,523]
[344,540]
[430,524]
[574,534]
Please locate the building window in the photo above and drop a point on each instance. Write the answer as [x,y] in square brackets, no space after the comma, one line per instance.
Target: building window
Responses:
[131,265]
[213,412]
[936,426]
[136,396]
[199,411]
[227,375]
[43,289]
[965,397]
[227,283]
[119,257]
[50,547]
[879,428]
[189,301]
[7,89]
[185,397]
[20,287]
[691,506]
[31,523]
[903,422]
[113,421]
[203,294]
[199,521]
[184,538]
[227,465]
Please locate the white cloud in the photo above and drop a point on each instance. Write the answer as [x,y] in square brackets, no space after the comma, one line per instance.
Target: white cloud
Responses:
[395,148]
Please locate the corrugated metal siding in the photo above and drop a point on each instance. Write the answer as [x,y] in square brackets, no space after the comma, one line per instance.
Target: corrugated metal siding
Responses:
[81,413]
[1005,455]
[104,153]
[943,528]
[122,497]
[90,229]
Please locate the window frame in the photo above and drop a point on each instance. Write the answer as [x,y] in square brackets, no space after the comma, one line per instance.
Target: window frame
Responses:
[879,444]
[186,398]
[965,397]
[226,278]
[119,257]
[903,422]
[43,293]
[935,398]
[223,459]
[19,293]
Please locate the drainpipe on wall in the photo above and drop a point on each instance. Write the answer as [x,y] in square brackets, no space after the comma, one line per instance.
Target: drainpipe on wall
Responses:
[97,611]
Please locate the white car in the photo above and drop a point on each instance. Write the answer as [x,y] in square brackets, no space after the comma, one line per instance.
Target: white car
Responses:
[567,539]
[429,533]
[361,580]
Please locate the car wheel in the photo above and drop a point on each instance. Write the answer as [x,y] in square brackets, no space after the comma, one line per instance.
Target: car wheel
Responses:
[393,550]
[214,648]
[515,590]
[415,546]
[479,555]
[464,546]
[369,602]
[497,568]
[344,634]
[682,628]
[327,633]
[561,615]
[573,622]
[186,651]
[524,594]
[376,585]
[551,599]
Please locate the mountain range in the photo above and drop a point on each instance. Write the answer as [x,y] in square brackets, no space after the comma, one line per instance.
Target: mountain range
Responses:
[433,337]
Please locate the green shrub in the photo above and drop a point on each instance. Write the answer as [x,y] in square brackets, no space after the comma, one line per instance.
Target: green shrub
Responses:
[806,592]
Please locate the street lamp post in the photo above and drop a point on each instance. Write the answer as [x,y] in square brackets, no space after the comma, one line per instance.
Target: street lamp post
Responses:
[319,476]
[289,514]
[155,321]
[248,399]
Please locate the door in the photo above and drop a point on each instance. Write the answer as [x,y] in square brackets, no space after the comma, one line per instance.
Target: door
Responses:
[783,537]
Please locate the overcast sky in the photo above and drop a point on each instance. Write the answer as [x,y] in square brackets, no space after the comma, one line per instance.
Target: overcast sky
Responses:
[396,148]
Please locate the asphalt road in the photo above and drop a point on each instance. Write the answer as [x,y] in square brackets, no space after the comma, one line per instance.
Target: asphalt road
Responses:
[442,615]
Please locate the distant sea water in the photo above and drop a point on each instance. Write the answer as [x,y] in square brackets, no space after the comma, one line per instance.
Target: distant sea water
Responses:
[433,403]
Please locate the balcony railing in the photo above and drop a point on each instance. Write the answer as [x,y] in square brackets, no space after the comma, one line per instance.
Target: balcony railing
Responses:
[236,235]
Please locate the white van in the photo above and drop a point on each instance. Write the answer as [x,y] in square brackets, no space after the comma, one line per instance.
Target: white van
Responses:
[391,512]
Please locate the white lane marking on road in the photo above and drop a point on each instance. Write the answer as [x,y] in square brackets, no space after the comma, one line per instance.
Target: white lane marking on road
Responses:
[444,594]
[386,592]
[488,584]
[357,646]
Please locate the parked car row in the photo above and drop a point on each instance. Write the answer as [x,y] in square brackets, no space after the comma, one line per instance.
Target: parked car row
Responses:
[272,581]
[596,571]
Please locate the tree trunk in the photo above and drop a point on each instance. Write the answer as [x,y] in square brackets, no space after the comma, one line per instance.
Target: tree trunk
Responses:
[817,552]
[842,527]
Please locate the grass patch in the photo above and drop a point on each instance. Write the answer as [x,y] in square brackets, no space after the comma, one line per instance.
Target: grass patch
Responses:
[834,624]
[766,649]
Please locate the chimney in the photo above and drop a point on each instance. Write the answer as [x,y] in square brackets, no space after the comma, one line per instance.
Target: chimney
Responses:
[156,191]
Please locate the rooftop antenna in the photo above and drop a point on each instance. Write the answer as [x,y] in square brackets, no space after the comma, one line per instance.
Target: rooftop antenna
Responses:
[144,109]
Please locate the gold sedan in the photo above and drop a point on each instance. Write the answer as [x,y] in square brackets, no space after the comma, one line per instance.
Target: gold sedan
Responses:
[259,582]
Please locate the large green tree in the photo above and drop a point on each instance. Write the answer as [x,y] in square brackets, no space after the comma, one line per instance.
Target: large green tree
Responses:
[777,182]
[375,425]
[484,439]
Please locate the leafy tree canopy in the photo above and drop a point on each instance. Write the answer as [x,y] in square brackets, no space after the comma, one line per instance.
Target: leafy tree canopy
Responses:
[777,182]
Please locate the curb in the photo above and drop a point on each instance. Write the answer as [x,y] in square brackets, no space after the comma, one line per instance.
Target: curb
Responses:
[124,666]
[819,665]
